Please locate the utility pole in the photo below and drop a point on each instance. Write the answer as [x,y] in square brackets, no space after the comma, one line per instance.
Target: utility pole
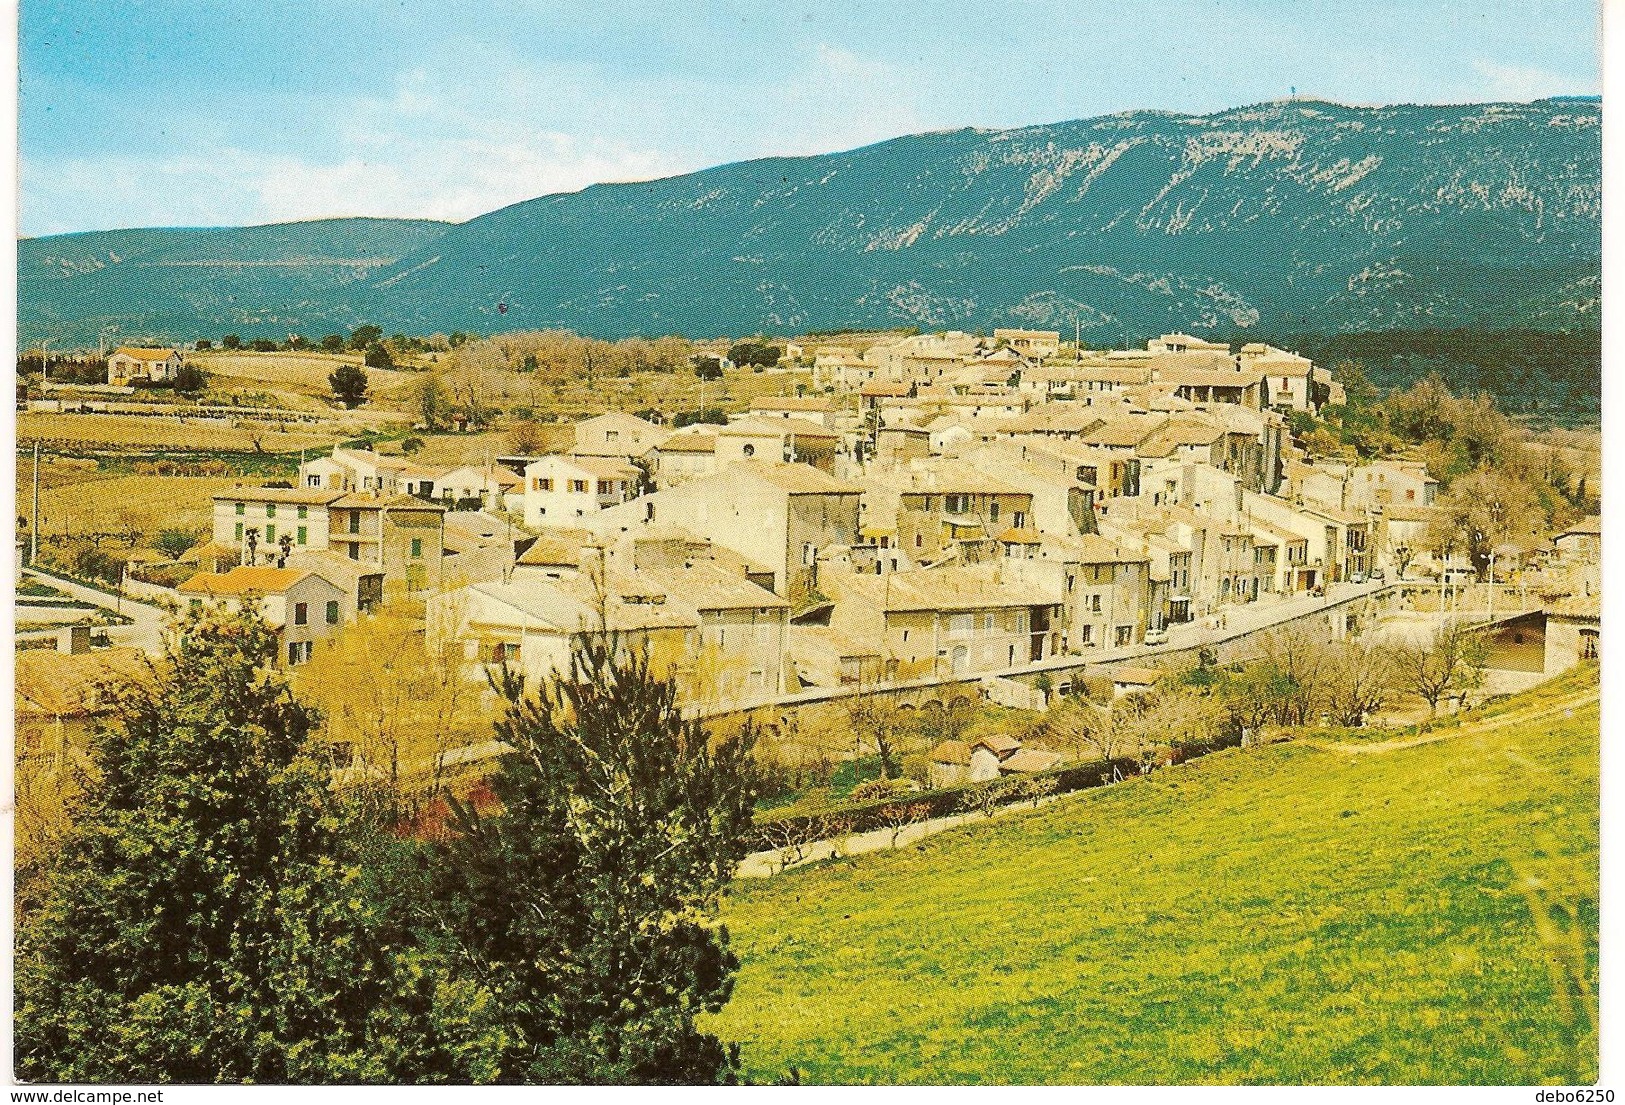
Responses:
[33,528]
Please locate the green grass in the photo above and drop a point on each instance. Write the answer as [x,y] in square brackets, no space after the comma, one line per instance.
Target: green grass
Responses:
[1283,915]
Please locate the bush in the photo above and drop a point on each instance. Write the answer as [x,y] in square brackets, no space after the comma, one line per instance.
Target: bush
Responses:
[866,816]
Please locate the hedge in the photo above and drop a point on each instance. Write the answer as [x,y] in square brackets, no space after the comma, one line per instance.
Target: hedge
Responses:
[862,817]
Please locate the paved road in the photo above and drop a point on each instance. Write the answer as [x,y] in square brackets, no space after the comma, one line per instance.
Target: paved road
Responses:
[145,632]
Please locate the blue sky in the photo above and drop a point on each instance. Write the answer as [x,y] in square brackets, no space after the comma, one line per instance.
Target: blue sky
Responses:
[197,113]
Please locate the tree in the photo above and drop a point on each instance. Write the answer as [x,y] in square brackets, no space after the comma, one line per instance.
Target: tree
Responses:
[1484,510]
[174,543]
[1357,680]
[203,345]
[708,368]
[1451,661]
[201,922]
[588,907]
[364,336]
[189,379]
[349,384]
[526,437]
[333,343]
[431,398]
[754,353]
[231,341]
[378,356]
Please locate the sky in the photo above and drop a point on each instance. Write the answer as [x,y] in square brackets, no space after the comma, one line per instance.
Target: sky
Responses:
[234,112]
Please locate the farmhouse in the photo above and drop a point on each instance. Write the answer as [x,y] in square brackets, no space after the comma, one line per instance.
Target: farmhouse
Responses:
[129,365]
[302,606]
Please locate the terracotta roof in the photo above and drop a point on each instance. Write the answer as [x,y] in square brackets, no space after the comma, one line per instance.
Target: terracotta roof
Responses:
[756,426]
[1584,607]
[244,580]
[796,479]
[303,496]
[951,752]
[1001,744]
[357,500]
[790,403]
[1027,760]
[145,354]
[57,684]
[878,388]
[1014,536]
[690,443]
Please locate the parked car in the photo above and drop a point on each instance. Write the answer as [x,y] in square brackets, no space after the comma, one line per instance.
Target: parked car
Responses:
[1357,578]
[1156,636]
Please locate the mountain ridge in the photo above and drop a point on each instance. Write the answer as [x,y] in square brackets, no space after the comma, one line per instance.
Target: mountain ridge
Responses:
[1300,215]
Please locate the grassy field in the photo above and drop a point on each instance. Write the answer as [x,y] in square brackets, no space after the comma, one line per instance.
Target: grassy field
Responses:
[1284,915]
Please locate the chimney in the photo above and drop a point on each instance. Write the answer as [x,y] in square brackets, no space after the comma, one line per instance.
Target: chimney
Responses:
[74,640]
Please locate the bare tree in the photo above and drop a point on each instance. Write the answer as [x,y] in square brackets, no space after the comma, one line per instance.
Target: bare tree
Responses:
[1451,661]
[900,815]
[1358,678]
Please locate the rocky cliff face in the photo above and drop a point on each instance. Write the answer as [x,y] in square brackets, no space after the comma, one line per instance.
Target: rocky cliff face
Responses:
[1294,216]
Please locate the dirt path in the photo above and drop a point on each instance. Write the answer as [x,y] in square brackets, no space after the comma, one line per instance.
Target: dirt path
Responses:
[1517,717]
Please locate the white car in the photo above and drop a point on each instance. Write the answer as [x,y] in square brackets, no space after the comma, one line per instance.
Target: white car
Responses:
[1156,636]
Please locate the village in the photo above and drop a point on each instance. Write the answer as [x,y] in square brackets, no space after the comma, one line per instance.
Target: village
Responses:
[941,508]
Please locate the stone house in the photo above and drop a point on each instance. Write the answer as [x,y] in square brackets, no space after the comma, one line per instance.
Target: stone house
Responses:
[302,606]
[562,490]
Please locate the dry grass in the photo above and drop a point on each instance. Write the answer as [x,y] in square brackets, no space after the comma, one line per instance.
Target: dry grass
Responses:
[165,432]
[145,504]
[300,376]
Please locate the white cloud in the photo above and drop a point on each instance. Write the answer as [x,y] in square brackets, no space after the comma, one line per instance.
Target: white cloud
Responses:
[1520,83]
[438,144]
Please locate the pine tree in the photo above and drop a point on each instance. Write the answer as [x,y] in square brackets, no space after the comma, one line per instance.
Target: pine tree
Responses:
[201,922]
[588,905]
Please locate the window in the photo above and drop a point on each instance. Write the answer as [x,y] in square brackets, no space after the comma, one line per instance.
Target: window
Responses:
[313,481]
[301,613]
[918,540]
[332,612]
[749,450]
[299,538]
[542,483]
[955,504]
[355,521]
[606,487]
[1590,640]
[304,512]
[239,531]
[993,511]
[1125,634]
[242,508]
[987,622]
[961,625]
[1094,603]
[578,486]
[612,435]
[417,547]
[1086,637]
[270,510]
[298,651]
